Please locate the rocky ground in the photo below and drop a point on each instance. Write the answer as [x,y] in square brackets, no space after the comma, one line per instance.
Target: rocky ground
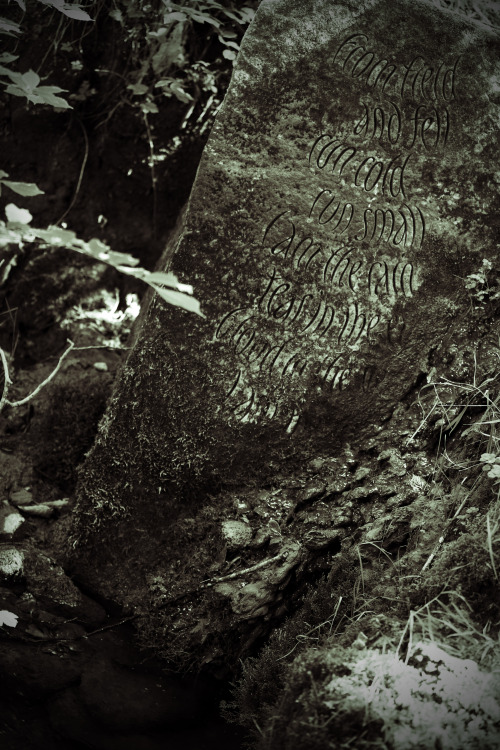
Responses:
[394,546]
[71,674]
[118,167]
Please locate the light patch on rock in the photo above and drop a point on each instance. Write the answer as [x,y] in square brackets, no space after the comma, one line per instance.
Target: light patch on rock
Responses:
[236,534]
[11,522]
[11,562]
[433,700]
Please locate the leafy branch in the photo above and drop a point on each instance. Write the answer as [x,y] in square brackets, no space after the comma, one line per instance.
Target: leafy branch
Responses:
[17,231]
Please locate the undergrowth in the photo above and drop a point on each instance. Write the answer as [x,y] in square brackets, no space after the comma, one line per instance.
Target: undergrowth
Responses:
[359,666]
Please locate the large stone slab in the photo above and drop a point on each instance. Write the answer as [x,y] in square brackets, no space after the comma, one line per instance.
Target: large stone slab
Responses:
[346,192]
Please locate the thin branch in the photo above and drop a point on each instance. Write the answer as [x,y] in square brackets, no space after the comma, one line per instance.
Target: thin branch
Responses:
[152,169]
[80,176]
[238,573]
[7,380]
[46,381]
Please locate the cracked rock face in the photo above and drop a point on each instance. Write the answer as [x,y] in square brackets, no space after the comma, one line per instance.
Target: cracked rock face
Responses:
[344,196]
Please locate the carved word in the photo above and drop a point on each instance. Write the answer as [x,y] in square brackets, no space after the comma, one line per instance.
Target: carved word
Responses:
[306,315]
[337,266]
[427,126]
[418,79]
[368,173]
[403,226]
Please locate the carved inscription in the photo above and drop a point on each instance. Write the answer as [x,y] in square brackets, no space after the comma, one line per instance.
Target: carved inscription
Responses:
[416,80]
[340,273]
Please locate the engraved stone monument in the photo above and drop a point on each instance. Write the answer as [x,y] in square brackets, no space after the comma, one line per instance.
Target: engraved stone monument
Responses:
[346,191]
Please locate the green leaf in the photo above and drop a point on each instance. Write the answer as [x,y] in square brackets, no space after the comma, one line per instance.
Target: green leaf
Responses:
[138,88]
[8,618]
[6,57]
[163,277]
[179,93]
[494,472]
[74,12]
[116,15]
[247,15]
[239,18]
[228,33]
[56,235]
[30,79]
[179,300]
[12,74]
[231,44]
[100,251]
[17,91]
[203,18]
[46,95]
[149,107]
[16,215]
[9,27]
[23,188]
[164,83]
[488,457]
[175,16]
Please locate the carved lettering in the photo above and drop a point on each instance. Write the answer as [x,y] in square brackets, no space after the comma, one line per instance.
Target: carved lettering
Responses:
[338,270]
[417,79]
[368,172]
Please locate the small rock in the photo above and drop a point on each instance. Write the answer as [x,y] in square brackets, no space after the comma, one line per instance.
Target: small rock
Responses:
[236,534]
[57,593]
[42,510]
[11,564]
[262,536]
[316,464]
[101,366]
[362,493]
[21,497]
[312,491]
[318,539]
[361,473]
[10,521]
[396,465]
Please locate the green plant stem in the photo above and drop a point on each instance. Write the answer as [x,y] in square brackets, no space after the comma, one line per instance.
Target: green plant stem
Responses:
[152,168]
[39,387]
[7,381]
[80,176]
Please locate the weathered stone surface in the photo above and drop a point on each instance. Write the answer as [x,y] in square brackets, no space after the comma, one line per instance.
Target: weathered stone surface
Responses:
[51,587]
[236,534]
[345,194]
[11,564]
